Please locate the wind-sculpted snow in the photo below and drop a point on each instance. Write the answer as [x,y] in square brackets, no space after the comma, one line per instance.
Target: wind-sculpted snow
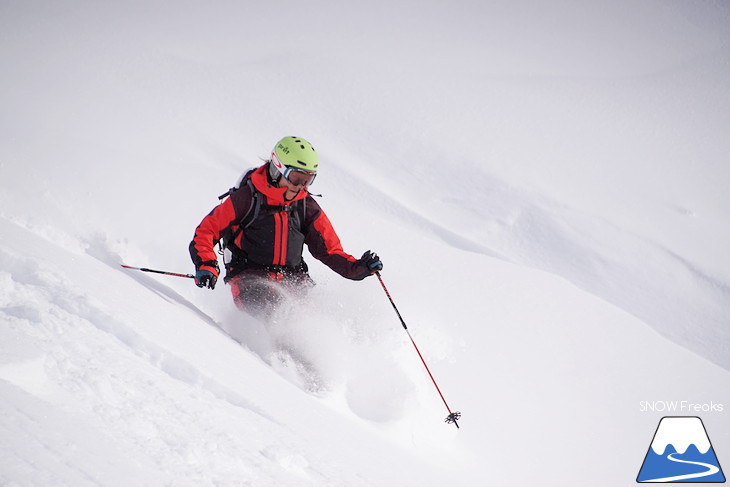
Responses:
[625,268]
[622,267]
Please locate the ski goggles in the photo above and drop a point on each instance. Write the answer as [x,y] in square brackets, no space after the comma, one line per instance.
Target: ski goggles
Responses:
[298,177]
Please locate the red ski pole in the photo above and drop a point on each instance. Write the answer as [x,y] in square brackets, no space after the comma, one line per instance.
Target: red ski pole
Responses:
[452,417]
[144,269]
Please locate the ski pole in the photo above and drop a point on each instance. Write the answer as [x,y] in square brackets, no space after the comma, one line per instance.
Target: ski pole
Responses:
[144,269]
[452,417]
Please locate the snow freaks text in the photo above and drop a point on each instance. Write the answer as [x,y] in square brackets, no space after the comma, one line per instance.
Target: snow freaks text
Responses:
[680,407]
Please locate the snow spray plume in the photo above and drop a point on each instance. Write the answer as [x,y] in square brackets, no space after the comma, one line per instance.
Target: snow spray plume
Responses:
[144,269]
[452,417]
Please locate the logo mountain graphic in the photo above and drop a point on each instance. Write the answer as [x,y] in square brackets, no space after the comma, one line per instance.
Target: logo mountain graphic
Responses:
[681,452]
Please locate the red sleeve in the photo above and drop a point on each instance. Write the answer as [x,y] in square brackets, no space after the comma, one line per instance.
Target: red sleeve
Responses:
[202,248]
[325,245]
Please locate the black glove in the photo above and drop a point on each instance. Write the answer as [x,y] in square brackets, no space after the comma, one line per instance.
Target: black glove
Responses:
[371,261]
[207,275]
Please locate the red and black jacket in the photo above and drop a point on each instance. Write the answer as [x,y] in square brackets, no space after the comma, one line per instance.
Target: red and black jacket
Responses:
[274,237]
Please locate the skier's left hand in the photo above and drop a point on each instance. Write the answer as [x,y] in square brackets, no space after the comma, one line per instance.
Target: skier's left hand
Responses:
[371,260]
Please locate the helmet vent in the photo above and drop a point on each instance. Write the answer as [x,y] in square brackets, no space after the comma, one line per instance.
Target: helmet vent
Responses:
[294,151]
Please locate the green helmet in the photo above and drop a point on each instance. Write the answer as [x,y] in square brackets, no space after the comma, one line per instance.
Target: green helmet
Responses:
[296,153]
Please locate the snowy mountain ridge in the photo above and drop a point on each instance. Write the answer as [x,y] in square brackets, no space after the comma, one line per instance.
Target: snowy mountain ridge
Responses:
[680,433]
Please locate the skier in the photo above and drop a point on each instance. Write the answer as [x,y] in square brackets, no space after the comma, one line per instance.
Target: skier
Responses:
[264,224]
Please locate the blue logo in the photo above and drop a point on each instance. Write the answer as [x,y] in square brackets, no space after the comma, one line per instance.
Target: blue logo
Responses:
[681,452]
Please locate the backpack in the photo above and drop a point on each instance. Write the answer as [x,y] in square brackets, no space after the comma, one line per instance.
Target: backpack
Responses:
[257,209]
[253,211]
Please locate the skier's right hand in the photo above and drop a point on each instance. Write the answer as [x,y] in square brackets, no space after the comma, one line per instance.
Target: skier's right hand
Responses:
[207,275]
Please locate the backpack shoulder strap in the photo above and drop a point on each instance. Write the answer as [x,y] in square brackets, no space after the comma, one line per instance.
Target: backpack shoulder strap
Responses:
[253,210]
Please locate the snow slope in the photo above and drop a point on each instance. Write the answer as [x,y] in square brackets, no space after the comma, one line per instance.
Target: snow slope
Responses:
[545,183]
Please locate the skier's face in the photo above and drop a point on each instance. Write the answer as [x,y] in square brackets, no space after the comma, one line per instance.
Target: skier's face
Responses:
[292,190]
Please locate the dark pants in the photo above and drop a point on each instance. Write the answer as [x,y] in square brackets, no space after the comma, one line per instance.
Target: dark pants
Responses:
[260,292]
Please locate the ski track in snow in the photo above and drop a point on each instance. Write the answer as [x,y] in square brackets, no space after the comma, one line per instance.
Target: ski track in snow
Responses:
[711,470]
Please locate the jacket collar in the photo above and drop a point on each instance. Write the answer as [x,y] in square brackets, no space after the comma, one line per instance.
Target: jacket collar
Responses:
[274,195]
